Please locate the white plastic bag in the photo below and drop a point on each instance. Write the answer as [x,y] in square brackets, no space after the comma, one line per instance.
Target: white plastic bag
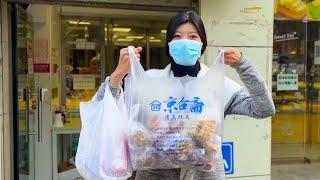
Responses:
[114,159]
[88,151]
[102,142]
[174,122]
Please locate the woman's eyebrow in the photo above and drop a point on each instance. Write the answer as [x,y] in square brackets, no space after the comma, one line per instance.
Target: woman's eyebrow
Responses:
[187,32]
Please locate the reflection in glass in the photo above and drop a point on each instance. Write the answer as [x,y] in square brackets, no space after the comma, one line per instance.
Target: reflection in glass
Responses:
[289,92]
[295,127]
[26,102]
[313,69]
[83,62]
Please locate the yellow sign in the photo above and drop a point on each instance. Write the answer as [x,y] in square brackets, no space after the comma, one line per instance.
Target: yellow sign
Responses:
[297,9]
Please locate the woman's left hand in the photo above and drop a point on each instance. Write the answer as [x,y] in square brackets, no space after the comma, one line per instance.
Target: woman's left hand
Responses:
[232,56]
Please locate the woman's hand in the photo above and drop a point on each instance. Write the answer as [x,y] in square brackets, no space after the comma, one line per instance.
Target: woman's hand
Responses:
[232,56]
[123,67]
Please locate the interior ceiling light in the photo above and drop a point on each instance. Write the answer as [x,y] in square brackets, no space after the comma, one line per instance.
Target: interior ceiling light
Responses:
[84,23]
[155,40]
[124,40]
[163,31]
[80,22]
[135,37]
[121,29]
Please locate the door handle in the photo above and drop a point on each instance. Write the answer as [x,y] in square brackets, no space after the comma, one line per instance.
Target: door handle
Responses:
[34,105]
[39,116]
[26,111]
[41,96]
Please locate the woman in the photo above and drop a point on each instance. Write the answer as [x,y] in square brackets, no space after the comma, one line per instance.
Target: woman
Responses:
[188,32]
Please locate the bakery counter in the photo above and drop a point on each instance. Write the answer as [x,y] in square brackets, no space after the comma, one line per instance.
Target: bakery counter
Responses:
[64,146]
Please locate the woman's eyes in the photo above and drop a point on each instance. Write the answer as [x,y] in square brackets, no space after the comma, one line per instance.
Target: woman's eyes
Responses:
[194,37]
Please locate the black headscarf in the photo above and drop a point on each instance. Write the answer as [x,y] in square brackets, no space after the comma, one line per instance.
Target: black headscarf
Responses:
[180,71]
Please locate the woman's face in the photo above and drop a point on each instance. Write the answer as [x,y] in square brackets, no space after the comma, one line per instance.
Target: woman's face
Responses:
[186,31]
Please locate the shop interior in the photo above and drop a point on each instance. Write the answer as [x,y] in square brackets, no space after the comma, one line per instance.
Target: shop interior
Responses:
[63,55]
[296,91]
[92,49]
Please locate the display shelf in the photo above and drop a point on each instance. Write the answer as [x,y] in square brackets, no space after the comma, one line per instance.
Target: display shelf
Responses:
[89,45]
[290,112]
[286,101]
[315,78]
[300,88]
[82,49]
[289,95]
[289,91]
[274,77]
[289,55]
[73,109]
[316,85]
[71,75]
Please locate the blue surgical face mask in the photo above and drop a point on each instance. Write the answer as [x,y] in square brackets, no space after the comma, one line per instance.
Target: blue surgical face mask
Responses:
[185,52]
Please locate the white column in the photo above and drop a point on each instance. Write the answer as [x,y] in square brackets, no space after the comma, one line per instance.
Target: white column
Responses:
[247,25]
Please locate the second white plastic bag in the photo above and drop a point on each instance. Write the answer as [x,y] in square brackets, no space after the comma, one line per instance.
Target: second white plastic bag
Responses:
[88,151]
[102,149]
[114,159]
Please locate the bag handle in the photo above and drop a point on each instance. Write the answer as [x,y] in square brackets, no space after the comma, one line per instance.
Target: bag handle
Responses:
[219,61]
[135,65]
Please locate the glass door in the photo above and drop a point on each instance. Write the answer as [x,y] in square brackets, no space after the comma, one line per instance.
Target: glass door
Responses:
[156,42]
[126,32]
[313,47]
[296,91]
[25,93]
[149,34]
[289,89]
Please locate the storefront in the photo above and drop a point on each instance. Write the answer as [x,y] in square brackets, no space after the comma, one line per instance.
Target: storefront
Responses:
[296,82]
[62,51]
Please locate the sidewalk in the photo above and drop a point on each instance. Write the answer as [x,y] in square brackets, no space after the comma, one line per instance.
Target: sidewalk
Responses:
[296,172]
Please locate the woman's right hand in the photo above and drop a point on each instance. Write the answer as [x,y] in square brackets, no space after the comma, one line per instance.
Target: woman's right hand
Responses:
[123,67]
